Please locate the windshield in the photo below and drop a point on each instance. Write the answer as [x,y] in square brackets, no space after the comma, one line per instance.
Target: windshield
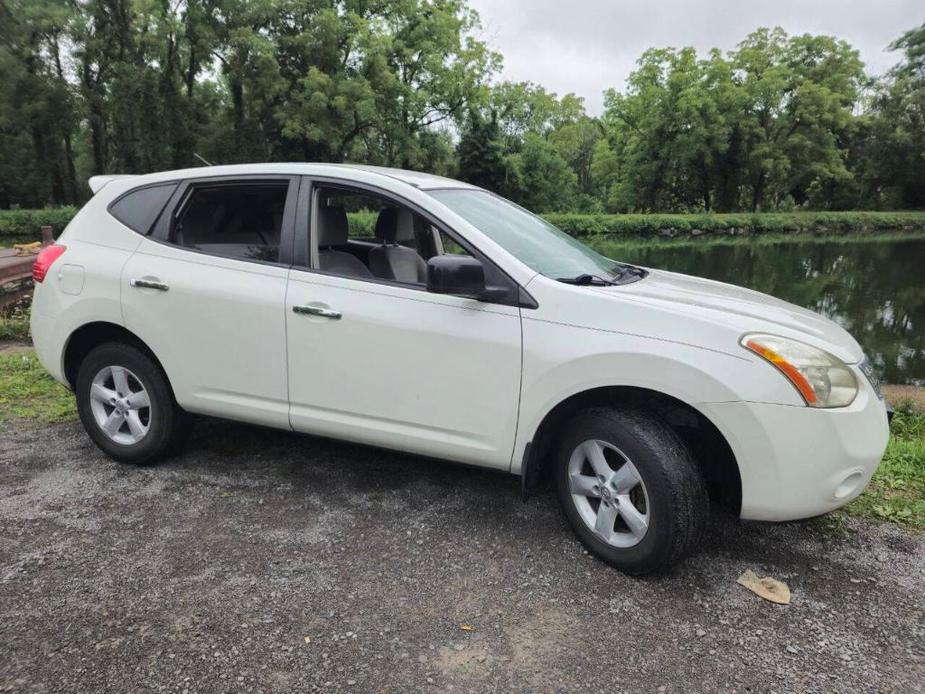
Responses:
[530,239]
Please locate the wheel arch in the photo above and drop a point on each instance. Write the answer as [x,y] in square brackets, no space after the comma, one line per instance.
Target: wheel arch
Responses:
[82,340]
[711,450]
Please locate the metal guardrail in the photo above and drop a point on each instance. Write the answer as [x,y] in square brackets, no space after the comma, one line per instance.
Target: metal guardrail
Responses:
[15,267]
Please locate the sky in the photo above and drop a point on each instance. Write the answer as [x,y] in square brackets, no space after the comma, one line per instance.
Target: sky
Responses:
[587,46]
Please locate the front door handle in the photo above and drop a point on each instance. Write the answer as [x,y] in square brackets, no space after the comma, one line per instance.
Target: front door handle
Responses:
[150,284]
[317,311]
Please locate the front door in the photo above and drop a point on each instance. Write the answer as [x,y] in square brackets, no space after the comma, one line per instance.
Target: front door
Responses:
[384,362]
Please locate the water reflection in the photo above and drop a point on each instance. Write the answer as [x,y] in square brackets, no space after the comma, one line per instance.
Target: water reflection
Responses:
[875,289]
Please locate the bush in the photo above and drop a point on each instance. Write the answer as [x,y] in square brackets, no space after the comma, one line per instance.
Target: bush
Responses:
[642,225]
[26,225]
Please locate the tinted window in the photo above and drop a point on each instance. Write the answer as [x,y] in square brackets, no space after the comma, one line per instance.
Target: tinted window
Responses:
[139,209]
[233,220]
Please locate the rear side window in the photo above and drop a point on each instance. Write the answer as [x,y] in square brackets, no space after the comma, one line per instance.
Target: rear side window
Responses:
[139,209]
[234,220]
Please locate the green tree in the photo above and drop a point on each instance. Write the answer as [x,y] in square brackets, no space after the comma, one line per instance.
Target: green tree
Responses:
[542,179]
[800,94]
[38,114]
[481,155]
[892,156]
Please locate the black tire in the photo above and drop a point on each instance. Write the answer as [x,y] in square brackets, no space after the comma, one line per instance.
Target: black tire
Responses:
[167,422]
[677,499]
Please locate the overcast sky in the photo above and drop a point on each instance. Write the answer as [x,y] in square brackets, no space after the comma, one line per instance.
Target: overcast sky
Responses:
[586,46]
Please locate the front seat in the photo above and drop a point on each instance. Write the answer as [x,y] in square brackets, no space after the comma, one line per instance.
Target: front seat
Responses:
[332,232]
[390,260]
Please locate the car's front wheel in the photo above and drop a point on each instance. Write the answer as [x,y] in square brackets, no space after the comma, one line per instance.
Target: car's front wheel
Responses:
[126,405]
[630,488]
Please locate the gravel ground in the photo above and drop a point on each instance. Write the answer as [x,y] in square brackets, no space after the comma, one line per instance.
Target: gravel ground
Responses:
[264,561]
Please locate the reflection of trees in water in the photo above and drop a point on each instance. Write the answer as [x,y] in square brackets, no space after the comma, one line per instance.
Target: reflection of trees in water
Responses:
[876,290]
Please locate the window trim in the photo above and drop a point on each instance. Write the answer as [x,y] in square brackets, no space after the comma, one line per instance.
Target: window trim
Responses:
[136,189]
[165,224]
[306,216]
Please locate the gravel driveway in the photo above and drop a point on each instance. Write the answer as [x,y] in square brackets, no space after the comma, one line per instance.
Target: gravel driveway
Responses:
[263,561]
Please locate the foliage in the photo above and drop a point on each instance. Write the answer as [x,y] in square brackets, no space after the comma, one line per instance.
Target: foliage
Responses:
[131,86]
[15,324]
[27,392]
[660,225]
[27,224]
[481,153]
[897,491]
[890,146]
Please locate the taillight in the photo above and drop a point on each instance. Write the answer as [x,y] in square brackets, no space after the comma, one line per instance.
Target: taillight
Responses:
[44,260]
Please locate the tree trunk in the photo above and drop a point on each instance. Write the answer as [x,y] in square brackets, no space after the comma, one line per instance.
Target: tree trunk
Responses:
[758,191]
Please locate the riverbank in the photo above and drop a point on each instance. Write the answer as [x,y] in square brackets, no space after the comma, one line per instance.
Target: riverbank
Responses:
[25,225]
[697,226]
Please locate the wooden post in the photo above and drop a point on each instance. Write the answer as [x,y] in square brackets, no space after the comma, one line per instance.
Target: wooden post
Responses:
[48,236]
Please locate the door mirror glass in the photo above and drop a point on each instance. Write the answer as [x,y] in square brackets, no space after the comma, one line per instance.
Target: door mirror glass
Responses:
[462,275]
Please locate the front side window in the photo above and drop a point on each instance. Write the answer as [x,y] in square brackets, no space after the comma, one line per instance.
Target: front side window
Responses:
[530,239]
[234,220]
[366,236]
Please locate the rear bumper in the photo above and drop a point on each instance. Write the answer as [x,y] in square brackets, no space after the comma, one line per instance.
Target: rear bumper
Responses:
[799,462]
[46,338]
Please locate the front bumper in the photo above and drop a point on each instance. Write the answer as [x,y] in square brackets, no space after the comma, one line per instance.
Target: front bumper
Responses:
[798,462]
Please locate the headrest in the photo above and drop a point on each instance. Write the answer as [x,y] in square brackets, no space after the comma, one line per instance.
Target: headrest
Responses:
[332,226]
[395,225]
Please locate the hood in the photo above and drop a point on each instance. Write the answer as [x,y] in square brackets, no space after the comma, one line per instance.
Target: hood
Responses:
[742,309]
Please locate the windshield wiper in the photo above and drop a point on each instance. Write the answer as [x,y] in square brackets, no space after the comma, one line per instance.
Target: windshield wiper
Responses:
[585,279]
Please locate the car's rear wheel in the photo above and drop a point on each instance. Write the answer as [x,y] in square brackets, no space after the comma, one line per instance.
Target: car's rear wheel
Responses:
[630,488]
[126,405]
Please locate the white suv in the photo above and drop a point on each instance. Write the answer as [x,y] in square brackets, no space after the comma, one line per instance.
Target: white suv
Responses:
[418,313]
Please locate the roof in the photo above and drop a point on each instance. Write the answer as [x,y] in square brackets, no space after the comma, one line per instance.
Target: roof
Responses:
[418,179]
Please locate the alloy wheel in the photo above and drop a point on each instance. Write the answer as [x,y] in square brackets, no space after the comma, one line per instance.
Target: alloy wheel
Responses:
[609,493]
[120,405]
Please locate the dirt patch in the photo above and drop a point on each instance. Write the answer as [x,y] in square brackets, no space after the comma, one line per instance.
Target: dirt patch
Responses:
[899,394]
[15,347]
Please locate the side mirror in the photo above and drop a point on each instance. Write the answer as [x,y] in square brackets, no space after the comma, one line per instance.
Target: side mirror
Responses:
[456,274]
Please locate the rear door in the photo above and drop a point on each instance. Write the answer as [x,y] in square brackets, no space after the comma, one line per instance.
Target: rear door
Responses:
[206,291]
[387,363]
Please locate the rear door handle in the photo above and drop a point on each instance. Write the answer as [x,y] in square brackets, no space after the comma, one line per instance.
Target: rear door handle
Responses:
[150,284]
[317,311]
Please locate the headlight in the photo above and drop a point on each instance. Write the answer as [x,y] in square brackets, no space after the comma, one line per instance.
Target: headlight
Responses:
[822,379]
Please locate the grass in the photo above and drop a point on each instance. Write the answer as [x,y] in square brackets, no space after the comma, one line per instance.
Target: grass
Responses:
[896,493]
[15,326]
[28,393]
[724,225]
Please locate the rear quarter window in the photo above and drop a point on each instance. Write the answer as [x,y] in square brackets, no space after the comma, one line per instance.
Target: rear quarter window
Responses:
[139,209]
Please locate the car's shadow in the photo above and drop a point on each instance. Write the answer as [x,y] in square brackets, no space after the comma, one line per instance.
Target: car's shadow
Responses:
[487,499]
